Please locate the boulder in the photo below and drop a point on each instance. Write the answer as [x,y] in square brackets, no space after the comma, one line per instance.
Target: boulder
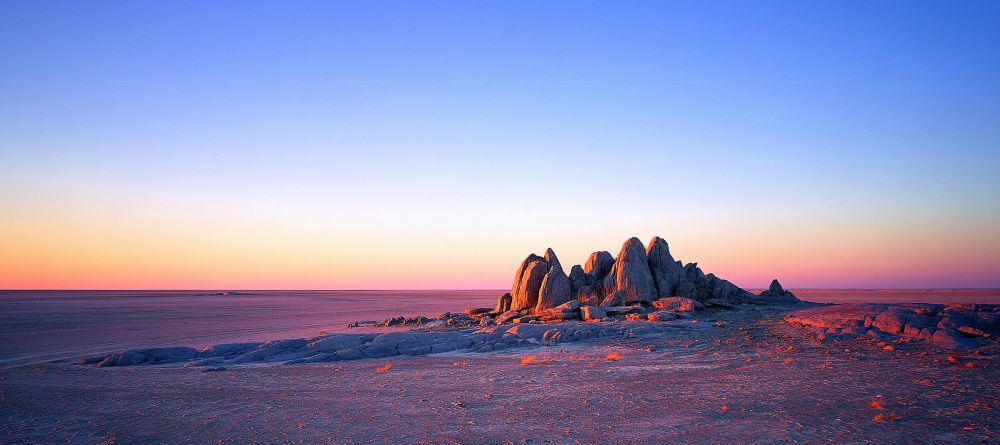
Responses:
[614,299]
[577,280]
[519,274]
[591,313]
[525,295]
[725,291]
[598,266]
[478,312]
[720,303]
[556,316]
[622,310]
[970,331]
[555,289]
[952,326]
[630,274]
[661,316]
[590,295]
[678,304]
[569,306]
[506,317]
[503,303]
[667,273]
[687,289]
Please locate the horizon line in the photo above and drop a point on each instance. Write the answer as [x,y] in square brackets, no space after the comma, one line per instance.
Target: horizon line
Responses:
[456,289]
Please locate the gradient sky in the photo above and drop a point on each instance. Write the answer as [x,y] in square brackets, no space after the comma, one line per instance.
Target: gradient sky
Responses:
[425,144]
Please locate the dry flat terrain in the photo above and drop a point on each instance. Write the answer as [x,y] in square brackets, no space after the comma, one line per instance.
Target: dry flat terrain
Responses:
[752,378]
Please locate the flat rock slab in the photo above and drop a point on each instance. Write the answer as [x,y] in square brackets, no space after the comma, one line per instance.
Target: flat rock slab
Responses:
[956,326]
[338,347]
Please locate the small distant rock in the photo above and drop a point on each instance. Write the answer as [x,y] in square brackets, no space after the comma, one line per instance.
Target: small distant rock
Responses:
[777,293]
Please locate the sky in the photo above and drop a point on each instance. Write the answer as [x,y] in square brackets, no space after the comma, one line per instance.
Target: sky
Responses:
[434,144]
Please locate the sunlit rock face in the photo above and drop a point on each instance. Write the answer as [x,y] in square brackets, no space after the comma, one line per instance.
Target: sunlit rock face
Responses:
[519,274]
[525,294]
[598,266]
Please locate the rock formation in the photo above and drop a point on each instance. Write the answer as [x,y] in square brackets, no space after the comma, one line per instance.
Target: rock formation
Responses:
[777,293]
[638,276]
[953,326]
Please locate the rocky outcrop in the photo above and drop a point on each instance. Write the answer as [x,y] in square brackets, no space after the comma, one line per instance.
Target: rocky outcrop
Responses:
[777,293]
[555,288]
[630,275]
[954,326]
[637,276]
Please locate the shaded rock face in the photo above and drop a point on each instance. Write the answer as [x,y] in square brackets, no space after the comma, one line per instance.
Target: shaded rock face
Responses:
[777,293]
[590,295]
[555,289]
[955,326]
[590,313]
[577,280]
[667,273]
[630,274]
[550,257]
[525,294]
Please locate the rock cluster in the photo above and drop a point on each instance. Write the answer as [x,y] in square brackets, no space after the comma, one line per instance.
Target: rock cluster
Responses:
[956,326]
[637,276]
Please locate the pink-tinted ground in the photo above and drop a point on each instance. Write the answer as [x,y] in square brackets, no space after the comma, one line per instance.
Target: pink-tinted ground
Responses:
[41,326]
[753,379]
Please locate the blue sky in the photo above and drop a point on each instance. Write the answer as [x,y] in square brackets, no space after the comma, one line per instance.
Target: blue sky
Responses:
[737,130]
